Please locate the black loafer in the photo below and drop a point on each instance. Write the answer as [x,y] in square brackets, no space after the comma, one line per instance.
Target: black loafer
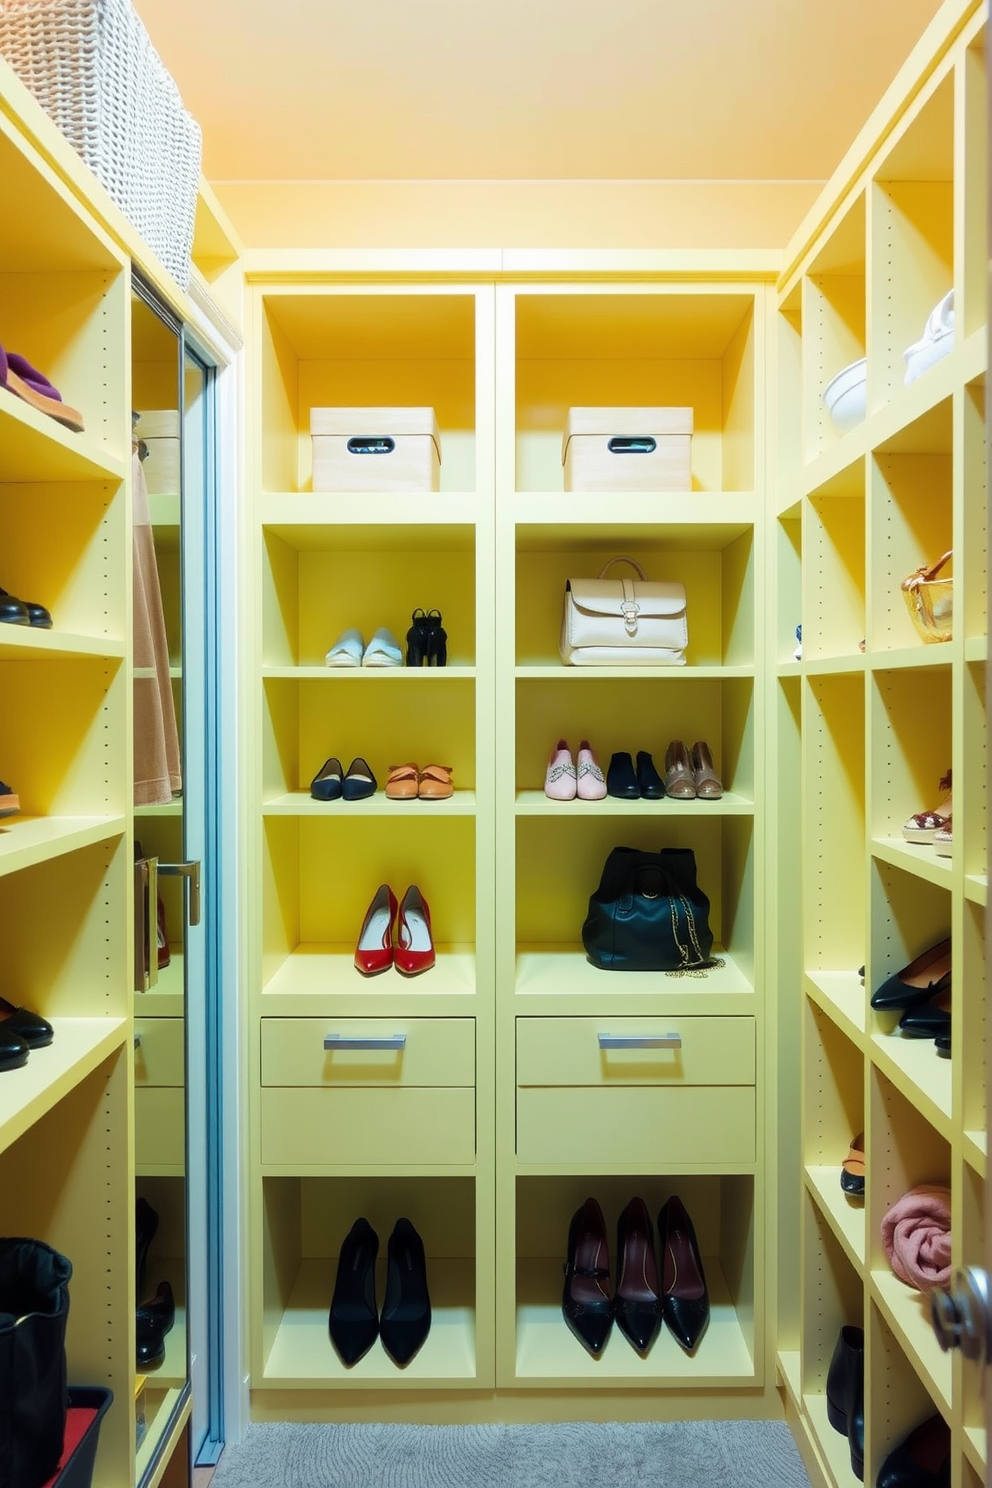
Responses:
[649,782]
[35,1030]
[923,1460]
[621,781]
[13,1049]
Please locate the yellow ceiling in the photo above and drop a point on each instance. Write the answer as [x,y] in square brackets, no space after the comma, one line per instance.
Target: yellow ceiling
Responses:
[353,90]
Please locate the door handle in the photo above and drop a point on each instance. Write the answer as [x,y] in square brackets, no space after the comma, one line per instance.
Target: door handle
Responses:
[145,917]
[961,1316]
[191,873]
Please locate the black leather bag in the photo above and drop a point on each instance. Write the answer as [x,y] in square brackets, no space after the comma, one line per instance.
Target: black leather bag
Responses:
[648,914]
[34,1306]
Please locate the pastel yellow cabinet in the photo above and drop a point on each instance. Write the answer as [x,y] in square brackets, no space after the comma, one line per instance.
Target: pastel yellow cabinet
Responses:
[160,1096]
[657,1091]
[367,1091]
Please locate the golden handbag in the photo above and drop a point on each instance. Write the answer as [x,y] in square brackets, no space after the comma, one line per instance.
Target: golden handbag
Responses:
[930,601]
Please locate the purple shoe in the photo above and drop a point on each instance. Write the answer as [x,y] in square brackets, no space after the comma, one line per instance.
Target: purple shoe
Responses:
[19,377]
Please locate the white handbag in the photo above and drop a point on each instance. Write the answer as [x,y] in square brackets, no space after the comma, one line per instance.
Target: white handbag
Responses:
[623,622]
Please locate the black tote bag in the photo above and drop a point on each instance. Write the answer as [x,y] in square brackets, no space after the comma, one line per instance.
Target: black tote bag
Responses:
[648,913]
[34,1307]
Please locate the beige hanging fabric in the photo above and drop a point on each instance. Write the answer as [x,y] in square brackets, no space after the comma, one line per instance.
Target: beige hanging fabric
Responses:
[157,760]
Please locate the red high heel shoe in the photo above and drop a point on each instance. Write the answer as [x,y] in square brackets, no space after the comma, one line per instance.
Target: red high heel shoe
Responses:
[414,945]
[374,952]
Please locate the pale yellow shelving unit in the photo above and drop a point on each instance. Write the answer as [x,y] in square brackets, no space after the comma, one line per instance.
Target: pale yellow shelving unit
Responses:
[866,724]
[380,1133]
[65,1128]
[571,1120]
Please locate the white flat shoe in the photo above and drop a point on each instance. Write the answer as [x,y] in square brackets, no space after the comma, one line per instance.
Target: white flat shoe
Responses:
[347,650]
[936,342]
[383,650]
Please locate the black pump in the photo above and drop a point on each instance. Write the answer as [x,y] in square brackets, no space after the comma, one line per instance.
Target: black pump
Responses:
[406,1309]
[353,1322]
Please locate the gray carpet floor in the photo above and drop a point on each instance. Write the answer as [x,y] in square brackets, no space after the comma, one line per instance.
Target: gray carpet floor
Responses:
[677,1454]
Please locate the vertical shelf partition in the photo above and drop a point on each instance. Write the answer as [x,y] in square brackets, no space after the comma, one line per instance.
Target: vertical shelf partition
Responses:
[883,718]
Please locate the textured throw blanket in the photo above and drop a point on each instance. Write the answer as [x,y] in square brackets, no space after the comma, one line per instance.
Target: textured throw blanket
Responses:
[916,1234]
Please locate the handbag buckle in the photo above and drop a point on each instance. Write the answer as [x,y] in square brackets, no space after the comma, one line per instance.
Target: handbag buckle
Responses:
[630,610]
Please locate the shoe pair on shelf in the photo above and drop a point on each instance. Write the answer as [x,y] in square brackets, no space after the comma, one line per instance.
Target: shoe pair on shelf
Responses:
[354,1321]
[20,1032]
[10,803]
[331,784]
[350,650]
[568,779]
[426,640]
[933,827]
[411,783]
[921,992]
[626,781]
[155,1317]
[23,612]
[641,1302]
[689,774]
[414,949]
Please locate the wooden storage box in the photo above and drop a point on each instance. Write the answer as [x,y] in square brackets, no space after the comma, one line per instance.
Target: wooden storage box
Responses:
[375,449]
[158,429]
[628,449]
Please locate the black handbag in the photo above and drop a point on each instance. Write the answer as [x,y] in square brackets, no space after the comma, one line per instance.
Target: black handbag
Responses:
[649,914]
[34,1306]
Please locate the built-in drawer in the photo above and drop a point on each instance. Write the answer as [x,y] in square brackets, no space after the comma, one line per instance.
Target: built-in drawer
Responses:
[159,1051]
[638,1090]
[160,1129]
[367,1092]
[368,1051]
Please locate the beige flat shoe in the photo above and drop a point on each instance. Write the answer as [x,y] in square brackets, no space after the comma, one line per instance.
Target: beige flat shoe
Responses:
[402,782]
[706,780]
[435,783]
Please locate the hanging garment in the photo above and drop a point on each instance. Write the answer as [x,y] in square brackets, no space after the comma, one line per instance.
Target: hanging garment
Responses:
[157,761]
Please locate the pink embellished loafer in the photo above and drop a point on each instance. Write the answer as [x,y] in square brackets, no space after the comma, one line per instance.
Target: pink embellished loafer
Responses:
[590,784]
[560,781]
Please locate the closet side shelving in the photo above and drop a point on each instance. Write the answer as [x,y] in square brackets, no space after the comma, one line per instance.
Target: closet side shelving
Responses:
[902,223]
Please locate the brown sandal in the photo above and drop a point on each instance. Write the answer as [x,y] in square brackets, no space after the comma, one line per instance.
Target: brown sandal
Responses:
[402,782]
[435,783]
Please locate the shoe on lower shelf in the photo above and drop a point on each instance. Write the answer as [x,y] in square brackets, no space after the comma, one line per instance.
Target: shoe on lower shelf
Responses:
[9,803]
[846,1393]
[923,1460]
[917,983]
[922,826]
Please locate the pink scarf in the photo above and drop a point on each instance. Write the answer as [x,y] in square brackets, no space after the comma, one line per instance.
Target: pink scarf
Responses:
[916,1234]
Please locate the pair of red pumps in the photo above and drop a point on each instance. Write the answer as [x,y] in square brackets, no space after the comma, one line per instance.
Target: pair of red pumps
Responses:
[414,949]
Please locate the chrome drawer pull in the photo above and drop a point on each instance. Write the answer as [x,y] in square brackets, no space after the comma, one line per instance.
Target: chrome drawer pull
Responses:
[365,1041]
[640,1041]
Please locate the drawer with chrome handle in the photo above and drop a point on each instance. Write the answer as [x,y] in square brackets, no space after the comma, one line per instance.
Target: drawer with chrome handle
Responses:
[368,1051]
[635,1051]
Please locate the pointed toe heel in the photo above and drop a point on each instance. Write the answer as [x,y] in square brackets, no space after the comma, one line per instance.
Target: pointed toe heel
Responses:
[685,1303]
[638,1301]
[374,952]
[917,983]
[587,1301]
[353,1319]
[406,1309]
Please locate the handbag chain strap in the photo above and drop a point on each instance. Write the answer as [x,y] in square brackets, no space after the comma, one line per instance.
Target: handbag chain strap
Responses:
[700,965]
